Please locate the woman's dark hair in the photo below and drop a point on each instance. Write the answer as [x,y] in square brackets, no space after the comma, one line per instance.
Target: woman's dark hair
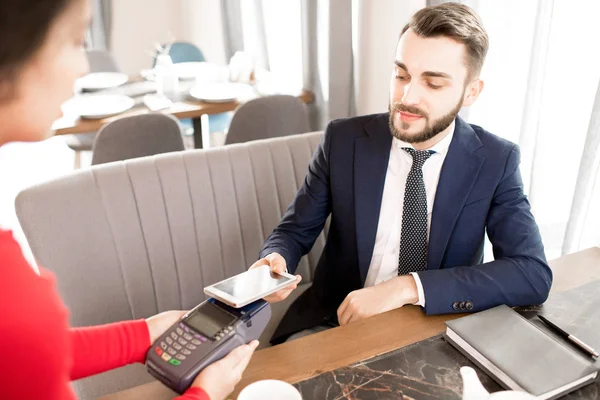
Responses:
[23,28]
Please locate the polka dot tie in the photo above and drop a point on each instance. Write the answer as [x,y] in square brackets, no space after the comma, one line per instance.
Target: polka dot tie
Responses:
[413,240]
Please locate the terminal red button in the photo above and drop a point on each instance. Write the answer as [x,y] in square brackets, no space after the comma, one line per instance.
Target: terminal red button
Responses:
[158,351]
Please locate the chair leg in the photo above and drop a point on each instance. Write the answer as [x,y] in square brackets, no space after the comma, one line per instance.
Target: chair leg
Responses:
[205,131]
[77,159]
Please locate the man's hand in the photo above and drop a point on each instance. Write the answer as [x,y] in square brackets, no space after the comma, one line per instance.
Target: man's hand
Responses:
[277,264]
[378,299]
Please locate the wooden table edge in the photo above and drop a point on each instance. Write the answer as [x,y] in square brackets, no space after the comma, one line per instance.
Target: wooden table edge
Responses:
[269,363]
[197,109]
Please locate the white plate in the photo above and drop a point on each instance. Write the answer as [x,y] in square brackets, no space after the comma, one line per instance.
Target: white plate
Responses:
[102,106]
[189,70]
[148,74]
[101,80]
[269,389]
[220,92]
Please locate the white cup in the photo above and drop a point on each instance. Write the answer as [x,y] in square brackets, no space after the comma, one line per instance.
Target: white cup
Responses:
[269,389]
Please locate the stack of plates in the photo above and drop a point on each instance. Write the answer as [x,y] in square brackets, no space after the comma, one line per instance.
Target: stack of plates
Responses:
[223,92]
[101,80]
[100,106]
[188,71]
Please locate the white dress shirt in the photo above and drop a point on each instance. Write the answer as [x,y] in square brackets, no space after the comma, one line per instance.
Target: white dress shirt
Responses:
[386,252]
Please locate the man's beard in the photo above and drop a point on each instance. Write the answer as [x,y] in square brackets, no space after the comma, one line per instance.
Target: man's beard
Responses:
[430,130]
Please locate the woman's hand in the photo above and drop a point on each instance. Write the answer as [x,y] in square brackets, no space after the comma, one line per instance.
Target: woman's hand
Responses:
[159,323]
[219,379]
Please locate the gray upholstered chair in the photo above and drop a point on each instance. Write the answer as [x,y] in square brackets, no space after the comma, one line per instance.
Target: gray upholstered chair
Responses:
[99,61]
[268,117]
[137,136]
[130,239]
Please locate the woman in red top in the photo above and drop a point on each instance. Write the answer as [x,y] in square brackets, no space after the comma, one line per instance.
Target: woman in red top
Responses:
[41,55]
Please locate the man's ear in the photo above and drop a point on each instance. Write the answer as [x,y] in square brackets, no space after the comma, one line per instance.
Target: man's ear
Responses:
[474,88]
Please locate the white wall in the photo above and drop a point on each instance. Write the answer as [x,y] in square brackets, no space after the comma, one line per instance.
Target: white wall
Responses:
[202,25]
[379,26]
[139,24]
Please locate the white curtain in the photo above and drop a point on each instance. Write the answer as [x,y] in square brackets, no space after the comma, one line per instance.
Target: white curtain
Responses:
[583,228]
[542,92]
[99,34]
[303,43]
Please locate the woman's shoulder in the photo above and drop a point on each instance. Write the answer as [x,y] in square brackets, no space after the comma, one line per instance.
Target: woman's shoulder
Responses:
[33,322]
[13,264]
[21,287]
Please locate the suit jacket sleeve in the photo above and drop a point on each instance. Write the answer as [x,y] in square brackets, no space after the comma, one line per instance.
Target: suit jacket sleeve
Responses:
[306,215]
[519,275]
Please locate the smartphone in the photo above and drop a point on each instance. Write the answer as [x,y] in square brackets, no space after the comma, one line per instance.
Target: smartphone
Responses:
[249,286]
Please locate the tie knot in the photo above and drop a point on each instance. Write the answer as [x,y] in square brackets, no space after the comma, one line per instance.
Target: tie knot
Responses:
[419,156]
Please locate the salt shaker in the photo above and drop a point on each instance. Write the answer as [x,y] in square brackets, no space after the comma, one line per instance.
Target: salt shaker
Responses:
[167,81]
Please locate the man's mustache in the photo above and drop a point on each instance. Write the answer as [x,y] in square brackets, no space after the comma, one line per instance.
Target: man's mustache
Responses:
[408,109]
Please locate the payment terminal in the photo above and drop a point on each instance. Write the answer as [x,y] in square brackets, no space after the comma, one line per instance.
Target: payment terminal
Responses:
[204,335]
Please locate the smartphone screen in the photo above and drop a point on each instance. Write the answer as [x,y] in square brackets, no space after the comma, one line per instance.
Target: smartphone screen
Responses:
[252,283]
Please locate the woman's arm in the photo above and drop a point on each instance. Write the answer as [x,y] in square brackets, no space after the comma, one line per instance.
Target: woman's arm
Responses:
[101,348]
[194,393]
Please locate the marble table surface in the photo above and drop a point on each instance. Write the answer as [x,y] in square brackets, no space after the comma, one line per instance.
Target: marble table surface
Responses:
[430,369]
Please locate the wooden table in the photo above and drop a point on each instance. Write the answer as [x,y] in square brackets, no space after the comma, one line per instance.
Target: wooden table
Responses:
[185,109]
[349,344]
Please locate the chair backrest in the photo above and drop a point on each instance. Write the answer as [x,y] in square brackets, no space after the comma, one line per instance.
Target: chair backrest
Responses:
[130,239]
[137,136]
[102,61]
[268,117]
[184,52]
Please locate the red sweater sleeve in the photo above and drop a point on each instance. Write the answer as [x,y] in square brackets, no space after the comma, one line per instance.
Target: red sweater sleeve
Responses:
[194,393]
[101,348]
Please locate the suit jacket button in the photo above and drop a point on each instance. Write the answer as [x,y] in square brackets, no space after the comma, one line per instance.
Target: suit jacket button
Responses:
[455,306]
[469,305]
[461,305]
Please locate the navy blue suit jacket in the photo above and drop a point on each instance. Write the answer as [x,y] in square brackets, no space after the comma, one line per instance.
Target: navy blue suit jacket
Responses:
[479,190]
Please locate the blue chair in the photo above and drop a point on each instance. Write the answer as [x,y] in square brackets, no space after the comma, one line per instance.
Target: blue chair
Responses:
[184,52]
[187,52]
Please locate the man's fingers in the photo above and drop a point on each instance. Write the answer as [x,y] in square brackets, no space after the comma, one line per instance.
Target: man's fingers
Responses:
[277,262]
[283,293]
[354,317]
[280,295]
[341,309]
[345,317]
[259,263]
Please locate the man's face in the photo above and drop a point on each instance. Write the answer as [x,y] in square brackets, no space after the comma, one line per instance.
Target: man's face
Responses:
[428,86]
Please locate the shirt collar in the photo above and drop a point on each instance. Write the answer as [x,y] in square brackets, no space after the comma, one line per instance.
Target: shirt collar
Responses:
[439,148]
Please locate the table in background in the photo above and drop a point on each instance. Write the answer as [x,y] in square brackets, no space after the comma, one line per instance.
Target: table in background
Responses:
[184,109]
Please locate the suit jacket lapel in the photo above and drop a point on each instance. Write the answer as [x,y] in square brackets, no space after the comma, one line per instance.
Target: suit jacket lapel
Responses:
[371,157]
[457,177]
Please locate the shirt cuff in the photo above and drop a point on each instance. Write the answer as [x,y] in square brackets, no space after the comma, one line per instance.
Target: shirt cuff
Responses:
[420,292]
